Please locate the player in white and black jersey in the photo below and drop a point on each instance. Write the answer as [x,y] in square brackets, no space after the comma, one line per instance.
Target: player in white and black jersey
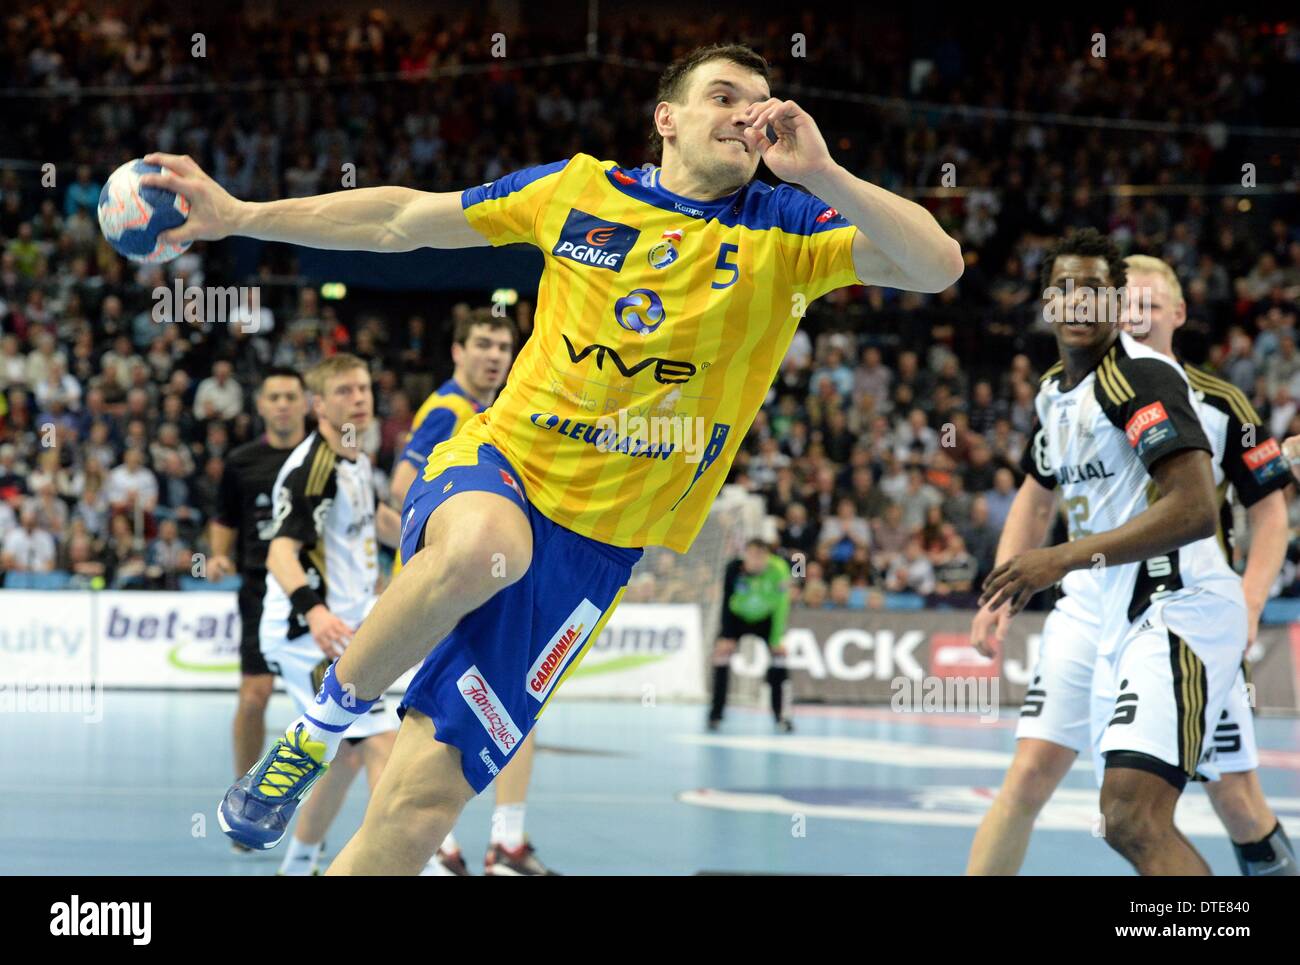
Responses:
[1054,722]
[1122,442]
[324,560]
[239,535]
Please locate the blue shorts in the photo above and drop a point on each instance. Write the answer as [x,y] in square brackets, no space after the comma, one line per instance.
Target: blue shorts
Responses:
[486,684]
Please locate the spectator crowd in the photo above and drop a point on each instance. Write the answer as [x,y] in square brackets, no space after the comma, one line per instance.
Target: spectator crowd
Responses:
[887,454]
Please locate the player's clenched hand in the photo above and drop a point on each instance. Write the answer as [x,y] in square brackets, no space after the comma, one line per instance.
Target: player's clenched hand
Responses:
[330,633]
[989,627]
[1017,580]
[799,151]
[213,215]
[1291,449]
[220,567]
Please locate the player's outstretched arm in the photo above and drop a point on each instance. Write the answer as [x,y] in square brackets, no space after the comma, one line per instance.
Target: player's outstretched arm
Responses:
[384,219]
[1184,513]
[898,245]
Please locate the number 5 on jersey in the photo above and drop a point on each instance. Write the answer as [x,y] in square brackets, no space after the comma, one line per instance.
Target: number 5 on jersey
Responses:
[726,262]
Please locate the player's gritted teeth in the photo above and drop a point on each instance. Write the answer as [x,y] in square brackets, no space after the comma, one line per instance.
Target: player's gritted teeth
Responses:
[735,140]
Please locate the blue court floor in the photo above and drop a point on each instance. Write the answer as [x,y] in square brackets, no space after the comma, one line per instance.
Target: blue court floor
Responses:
[618,788]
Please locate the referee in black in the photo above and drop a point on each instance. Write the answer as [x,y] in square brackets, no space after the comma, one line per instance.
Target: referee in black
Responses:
[241,525]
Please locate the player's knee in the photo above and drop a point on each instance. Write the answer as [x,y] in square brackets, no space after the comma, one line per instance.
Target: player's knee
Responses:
[1235,800]
[419,808]
[255,693]
[1129,827]
[481,552]
[722,651]
[1033,779]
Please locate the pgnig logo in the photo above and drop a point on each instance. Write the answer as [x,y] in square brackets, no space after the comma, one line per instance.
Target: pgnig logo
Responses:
[594,241]
[640,311]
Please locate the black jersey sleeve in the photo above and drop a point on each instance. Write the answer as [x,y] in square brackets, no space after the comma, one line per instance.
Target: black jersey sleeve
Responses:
[1033,461]
[1150,401]
[1252,459]
[302,498]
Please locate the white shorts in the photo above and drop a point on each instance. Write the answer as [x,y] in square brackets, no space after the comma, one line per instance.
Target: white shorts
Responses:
[1058,704]
[1057,701]
[301,665]
[1235,750]
[1162,691]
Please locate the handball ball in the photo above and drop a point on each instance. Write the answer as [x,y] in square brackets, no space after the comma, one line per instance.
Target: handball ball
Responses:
[133,216]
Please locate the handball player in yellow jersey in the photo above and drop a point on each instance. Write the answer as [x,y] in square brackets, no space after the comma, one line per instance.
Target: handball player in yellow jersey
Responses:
[666,303]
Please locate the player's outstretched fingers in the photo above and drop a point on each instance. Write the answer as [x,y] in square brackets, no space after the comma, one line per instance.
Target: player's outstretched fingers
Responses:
[182,164]
[993,583]
[167,181]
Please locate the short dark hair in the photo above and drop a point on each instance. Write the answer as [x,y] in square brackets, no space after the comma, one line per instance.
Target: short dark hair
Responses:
[1086,243]
[672,82]
[483,316]
[283,372]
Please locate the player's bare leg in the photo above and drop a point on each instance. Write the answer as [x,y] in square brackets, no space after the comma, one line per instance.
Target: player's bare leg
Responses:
[475,545]
[1260,843]
[417,801]
[375,754]
[1138,810]
[512,783]
[327,800]
[1037,769]
[509,850]
[303,854]
[1239,802]
[250,719]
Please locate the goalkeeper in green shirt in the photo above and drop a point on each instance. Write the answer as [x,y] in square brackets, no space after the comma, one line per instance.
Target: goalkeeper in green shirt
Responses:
[756,600]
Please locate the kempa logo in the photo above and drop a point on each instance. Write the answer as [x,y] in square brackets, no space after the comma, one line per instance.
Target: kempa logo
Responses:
[133,918]
[666,371]
[240,306]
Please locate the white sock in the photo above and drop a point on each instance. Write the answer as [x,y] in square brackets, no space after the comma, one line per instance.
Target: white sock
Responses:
[508,826]
[331,739]
[449,844]
[300,859]
[332,712]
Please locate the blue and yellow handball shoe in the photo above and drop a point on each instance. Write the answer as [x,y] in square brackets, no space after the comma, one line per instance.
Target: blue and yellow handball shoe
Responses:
[257,809]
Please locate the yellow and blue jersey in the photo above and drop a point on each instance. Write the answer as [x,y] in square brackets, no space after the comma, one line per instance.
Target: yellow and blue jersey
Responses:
[437,420]
[660,324]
